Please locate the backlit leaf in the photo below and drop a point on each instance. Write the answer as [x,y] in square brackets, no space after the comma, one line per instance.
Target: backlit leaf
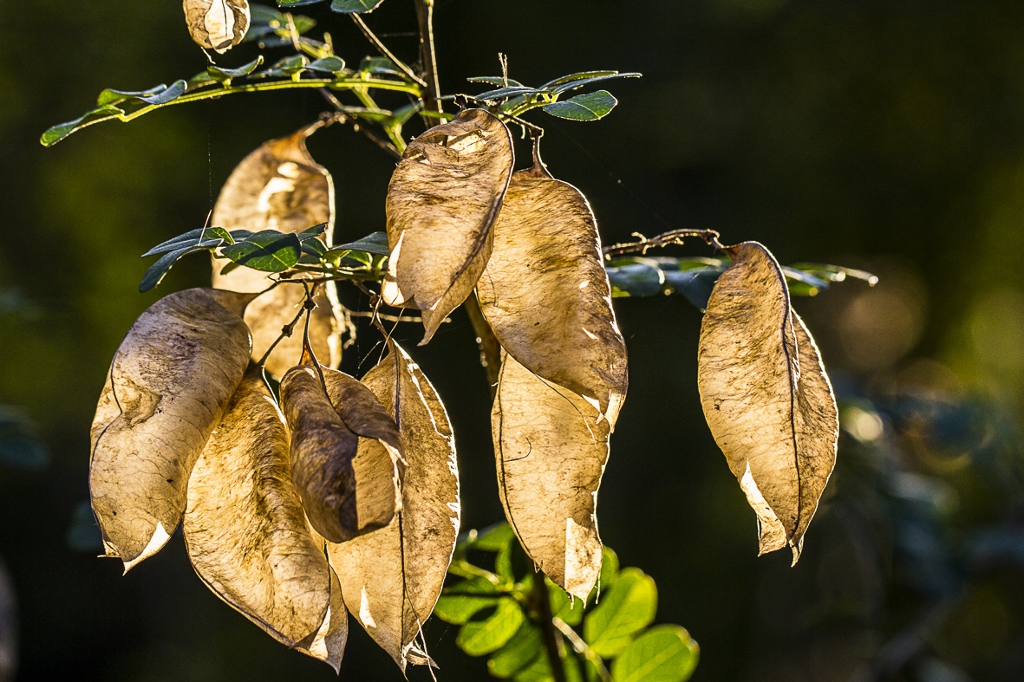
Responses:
[344,489]
[766,396]
[665,653]
[245,528]
[168,385]
[280,187]
[477,638]
[267,251]
[391,578]
[592,106]
[443,199]
[355,6]
[551,447]
[546,295]
[518,653]
[624,610]
[217,24]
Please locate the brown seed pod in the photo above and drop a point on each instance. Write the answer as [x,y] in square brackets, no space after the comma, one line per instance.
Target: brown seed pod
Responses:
[280,187]
[766,396]
[551,447]
[168,385]
[244,525]
[391,578]
[347,488]
[442,201]
[217,25]
[545,292]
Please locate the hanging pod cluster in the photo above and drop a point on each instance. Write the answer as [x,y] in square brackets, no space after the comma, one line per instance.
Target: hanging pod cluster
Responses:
[339,496]
[458,219]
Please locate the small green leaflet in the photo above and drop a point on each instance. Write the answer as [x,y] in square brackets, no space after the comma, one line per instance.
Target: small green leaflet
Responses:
[518,653]
[355,6]
[592,106]
[267,251]
[624,610]
[477,638]
[665,653]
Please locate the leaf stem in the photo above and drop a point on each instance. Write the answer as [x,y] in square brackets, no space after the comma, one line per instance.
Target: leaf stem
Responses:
[542,603]
[385,52]
[428,55]
[583,648]
[673,237]
[490,349]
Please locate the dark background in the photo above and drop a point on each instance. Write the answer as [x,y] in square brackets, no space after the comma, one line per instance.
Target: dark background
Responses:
[885,134]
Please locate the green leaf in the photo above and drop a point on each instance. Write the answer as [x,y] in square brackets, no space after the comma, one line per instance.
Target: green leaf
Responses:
[224,75]
[459,609]
[574,77]
[211,237]
[289,66]
[540,670]
[662,654]
[834,273]
[518,653]
[477,585]
[58,132]
[155,274]
[589,80]
[267,251]
[312,232]
[592,106]
[376,243]
[505,93]
[355,6]
[487,636]
[327,65]
[694,284]
[635,277]
[494,538]
[625,609]
[111,96]
[563,606]
[376,66]
[495,80]
[609,569]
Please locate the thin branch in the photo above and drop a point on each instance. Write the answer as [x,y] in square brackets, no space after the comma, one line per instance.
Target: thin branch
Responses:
[542,602]
[369,133]
[582,647]
[675,237]
[385,52]
[428,56]
[490,349]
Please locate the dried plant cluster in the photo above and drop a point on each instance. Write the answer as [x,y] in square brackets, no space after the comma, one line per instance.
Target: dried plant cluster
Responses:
[306,494]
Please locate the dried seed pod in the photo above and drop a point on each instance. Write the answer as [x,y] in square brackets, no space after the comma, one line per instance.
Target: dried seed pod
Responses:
[280,187]
[347,488]
[392,577]
[551,447]
[168,385]
[244,525]
[766,396]
[442,201]
[545,292]
[217,24]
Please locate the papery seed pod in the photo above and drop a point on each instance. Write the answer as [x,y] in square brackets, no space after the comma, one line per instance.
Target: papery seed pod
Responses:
[347,488]
[766,396]
[245,528]
[280,187]
[442,201]
[168,386]
[217,24]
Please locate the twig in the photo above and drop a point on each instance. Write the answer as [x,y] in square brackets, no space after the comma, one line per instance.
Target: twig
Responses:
[542,602]
[674,237]
[368,132]
[490,349]
[583,648]
[425,17]
[385,52]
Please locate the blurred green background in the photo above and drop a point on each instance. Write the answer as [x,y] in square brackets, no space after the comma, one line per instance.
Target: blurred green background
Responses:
[887,135]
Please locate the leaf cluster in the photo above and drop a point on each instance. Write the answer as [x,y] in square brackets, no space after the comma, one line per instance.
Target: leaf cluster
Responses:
[608,636]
